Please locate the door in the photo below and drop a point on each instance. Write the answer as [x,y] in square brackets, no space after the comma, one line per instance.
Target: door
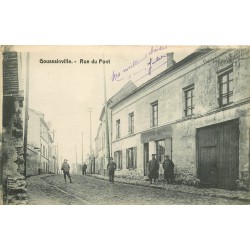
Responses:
[218,154]
[208,175]
[146,158]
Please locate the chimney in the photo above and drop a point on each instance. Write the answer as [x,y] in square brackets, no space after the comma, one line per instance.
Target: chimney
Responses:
[170,59]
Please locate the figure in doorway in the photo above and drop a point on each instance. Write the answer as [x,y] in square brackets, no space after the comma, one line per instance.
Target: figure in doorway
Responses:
[153,169]
[168,167]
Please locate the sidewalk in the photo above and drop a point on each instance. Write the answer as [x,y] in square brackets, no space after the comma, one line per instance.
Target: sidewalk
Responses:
[212,192]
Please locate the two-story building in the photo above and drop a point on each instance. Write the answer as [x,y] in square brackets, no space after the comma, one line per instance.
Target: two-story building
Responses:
[101,152]
[197,112]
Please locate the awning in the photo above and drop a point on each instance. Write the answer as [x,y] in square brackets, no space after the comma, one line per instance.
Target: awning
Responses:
[157,134]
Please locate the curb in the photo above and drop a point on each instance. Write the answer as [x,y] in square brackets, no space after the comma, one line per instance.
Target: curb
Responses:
[180,191]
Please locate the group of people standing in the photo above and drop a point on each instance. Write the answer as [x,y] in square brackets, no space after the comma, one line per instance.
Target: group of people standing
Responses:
[167,165]
[154,167]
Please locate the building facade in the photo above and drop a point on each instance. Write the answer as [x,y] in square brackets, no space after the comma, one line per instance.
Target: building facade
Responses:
[101,143]
[41,158]
[197,112]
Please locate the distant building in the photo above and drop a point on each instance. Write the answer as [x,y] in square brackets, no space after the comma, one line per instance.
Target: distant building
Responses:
[41,158]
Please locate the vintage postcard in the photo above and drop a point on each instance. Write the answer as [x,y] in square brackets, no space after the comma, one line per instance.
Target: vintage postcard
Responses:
[125,125]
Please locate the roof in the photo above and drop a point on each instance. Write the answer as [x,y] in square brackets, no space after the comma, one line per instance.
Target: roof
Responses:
[198,53]
[124,92]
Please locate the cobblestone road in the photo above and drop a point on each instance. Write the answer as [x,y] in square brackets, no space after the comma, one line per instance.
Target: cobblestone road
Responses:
[88,190]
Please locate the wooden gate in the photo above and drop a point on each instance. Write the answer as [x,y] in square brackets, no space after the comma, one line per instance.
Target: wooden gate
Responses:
[218,154]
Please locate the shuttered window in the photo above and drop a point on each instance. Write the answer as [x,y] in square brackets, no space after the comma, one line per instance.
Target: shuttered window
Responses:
[131,156]
[118,129]
[131,123]
[118,159]
[154,114]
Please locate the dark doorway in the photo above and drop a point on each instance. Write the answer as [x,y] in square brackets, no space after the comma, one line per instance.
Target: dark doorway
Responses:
[218,154]
[146,158]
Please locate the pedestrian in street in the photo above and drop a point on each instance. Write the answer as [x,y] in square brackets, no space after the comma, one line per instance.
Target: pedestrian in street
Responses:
[153,169]
[84,168]
[65,168]
[168,167]
[111,168]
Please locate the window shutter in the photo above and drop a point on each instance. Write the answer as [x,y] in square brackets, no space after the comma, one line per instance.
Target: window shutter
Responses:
[151,116]
[127,152]
[135,157]
[121,159]
[129,129]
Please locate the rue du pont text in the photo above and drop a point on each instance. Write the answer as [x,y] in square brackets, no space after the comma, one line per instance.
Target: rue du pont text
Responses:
[94,61]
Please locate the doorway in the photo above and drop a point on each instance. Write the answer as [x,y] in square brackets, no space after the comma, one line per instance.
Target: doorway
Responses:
[218,154]
[146,158]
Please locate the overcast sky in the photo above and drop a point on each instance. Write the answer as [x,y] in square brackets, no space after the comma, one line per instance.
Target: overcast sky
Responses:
[65,92]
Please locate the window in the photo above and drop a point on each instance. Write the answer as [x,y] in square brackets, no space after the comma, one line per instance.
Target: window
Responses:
[160,150]
[131,157]
[43,150]
[118,159]
[154,114]
[226,88]
[189,101]
[118,129]
[131,123]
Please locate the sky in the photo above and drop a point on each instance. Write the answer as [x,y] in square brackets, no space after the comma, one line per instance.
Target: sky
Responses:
[66,92]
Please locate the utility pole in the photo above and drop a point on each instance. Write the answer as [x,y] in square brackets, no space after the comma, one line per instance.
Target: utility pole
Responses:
[106,117]
[76,160]
[90,144]
[26,114]
[90,131]
[57,165]
[82,148]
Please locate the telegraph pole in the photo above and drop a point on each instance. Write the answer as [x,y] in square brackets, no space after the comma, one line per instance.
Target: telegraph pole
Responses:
[26,114]
[90,144]
[90,131]
[76,160]
[82,148]
[106,117]
[57,159]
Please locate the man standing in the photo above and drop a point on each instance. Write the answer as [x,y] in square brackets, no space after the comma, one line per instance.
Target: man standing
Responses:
[111,168]
[168,167]
[153,169]
[84,168]
[65,168]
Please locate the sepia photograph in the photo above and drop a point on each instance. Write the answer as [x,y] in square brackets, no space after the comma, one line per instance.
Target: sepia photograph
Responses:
[125,125]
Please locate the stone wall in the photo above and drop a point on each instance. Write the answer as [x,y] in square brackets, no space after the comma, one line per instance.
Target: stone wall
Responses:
[12,161]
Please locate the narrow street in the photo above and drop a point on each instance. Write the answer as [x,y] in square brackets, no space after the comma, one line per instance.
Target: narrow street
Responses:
[85,190]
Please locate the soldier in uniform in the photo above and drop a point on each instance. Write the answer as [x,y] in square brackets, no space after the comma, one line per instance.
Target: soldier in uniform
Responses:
[65,168]
[84,168]
[168,167]
[153,169]
[111,168]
